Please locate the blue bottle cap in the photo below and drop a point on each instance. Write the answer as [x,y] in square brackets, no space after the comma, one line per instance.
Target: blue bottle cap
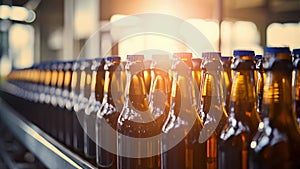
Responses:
[277,50]
[99,59]
[243,53]
[258,57]
[113,58]
[225,58]
[296,51]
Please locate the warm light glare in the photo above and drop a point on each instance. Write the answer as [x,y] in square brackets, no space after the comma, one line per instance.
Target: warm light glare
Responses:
[85,18]
[4,11]
[17,13]
[239,35]
[284,35]
[5,65]
[21,41]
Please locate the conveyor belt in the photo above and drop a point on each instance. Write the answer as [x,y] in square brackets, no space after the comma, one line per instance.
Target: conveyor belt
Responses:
[50,152]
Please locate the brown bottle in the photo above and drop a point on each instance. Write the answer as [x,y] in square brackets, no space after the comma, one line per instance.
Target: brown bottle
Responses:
[80,102]
[94,104]
[227,71]
[70,106]
[136,123]
[180,146]
[107,115]
[296,83]
[212,109]
[260,81]
[243,118]
[197,74]
[276,144]
[67,118]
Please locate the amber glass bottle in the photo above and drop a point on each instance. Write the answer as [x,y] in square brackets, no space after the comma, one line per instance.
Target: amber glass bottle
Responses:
[107,115]
[243,118]
[180,146]
[296,83]
[65,96]
[276,144]
[260,81]
[80,102]
[147,75]
[197,73]
[93,106]
[136,121]
[212,110]
[227,74]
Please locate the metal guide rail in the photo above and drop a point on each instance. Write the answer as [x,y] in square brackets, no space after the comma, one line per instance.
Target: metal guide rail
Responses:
[50,152]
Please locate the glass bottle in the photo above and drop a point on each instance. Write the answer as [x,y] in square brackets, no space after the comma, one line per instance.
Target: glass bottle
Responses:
[51,99]
[259,82]
[160,92]
[197,73]
[136,121]
[70,115]
[243,118]
[227,74]
[94,104]
[212,110]
[276,144]
[45,97]
[180,146]
[80,104]
[296,83]
[65,96]
[147,75]
[107,115]
[59,113]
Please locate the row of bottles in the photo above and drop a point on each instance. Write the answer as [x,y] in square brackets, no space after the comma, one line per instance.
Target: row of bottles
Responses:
[170,112]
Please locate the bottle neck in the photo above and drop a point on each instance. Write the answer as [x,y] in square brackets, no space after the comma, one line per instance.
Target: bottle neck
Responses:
[159,95]
[181,90]
[243,98]
[135,91]
[277,98]
[212,89]
[113,87]
[296,85]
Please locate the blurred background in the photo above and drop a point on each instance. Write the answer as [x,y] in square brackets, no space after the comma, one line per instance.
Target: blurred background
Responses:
[32,31]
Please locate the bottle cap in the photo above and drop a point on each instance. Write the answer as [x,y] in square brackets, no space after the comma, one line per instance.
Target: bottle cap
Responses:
[296,52]
[279,58]
[54,65]
[68,65]
[181,55]
[211,55]
[113,58]
[132,58]
[258,57]
[226,58]
[99,59]
[237,53]
[276,50]
[243,60]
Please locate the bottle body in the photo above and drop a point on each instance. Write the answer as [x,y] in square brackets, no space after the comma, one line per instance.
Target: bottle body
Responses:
[276,144]
[243,119]
[182,122]
[108,113]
